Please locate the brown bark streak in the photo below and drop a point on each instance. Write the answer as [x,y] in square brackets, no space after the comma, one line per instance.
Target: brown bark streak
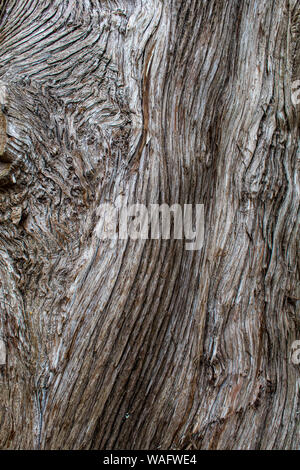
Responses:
[138,345]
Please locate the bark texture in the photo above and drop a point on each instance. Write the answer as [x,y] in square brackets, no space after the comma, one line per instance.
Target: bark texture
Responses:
[138,345]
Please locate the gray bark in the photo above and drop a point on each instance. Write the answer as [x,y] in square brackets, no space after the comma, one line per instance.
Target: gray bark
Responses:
[143,344]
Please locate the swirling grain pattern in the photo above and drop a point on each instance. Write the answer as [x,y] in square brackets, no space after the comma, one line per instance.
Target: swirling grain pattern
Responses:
[130,345]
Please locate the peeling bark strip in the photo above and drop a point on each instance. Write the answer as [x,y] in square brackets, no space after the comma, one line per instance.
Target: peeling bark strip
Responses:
[124,344]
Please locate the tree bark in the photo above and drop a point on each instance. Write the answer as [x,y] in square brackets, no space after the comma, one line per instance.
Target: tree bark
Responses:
[124,344]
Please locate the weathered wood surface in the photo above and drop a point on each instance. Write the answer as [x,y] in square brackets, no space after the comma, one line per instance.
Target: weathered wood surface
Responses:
[136,345]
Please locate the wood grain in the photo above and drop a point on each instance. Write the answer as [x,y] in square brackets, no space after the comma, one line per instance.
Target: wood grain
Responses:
[144,345]
[3,136]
